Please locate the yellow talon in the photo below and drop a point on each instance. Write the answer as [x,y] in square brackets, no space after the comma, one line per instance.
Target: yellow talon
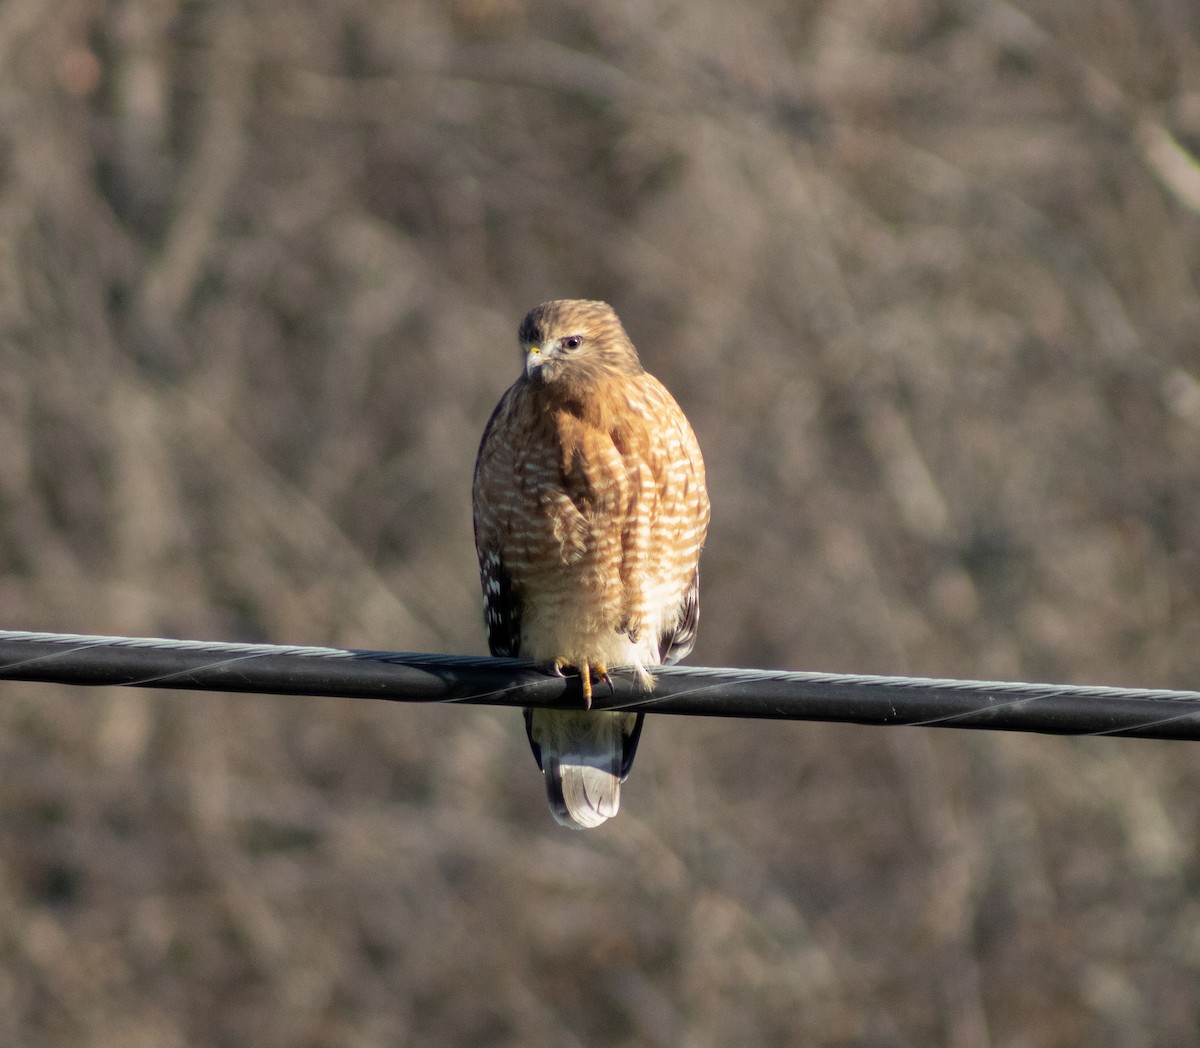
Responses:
[585,669]
[601,672]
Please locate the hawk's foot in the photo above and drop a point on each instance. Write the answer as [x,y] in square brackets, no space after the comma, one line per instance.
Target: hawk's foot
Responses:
[586,670]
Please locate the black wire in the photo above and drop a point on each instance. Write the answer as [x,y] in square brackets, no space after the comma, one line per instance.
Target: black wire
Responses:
[1057,709]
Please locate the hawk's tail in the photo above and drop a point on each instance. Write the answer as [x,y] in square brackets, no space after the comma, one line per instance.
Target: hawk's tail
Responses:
[585,756]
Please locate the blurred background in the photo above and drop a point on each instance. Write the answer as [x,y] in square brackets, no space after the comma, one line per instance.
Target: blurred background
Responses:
[923,274]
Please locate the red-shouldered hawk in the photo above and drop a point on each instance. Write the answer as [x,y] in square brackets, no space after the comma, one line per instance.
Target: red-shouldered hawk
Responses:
[590,511]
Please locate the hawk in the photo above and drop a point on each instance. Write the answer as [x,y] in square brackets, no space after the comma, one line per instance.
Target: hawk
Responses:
[590,510]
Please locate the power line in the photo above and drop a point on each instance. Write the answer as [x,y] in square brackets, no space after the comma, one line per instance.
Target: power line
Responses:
[1057,709]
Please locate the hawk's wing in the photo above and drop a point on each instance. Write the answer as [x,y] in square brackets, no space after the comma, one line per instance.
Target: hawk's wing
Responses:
[677,643]
[501,603]
[501,606]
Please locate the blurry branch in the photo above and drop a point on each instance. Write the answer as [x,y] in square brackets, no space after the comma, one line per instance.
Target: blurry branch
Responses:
[1056,709]
[259,496]
[906,476]
[269,940]
[951,917]
[1111,328]
[1174,166]
[212,170]
[539,65]
[544,65]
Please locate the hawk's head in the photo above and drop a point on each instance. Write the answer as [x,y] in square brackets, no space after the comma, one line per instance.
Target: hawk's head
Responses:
[573,341]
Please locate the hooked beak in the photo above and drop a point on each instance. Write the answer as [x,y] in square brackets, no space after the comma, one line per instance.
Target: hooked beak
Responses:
[536,358]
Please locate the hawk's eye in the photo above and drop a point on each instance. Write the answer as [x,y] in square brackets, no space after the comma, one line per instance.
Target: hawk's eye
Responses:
[572,342]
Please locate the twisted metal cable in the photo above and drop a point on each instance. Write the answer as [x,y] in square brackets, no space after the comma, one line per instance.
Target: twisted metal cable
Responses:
[148,662]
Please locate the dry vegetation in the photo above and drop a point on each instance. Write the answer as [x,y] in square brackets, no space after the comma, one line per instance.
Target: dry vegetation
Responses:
[923,274]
